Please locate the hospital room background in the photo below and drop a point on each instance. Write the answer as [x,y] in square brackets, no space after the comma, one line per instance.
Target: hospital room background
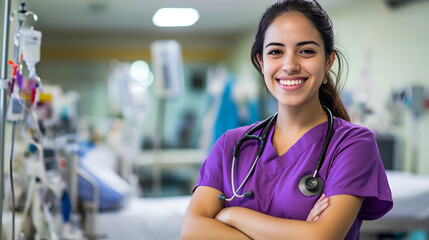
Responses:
[122,119]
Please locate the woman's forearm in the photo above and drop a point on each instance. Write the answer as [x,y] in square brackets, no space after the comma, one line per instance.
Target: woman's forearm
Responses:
[333,223]
[200,223]
[200,227]
[261,226]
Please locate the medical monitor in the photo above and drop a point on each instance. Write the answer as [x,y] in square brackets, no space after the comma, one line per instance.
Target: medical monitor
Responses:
[389,151]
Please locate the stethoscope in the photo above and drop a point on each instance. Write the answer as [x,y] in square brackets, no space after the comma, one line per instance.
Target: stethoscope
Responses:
[309,185]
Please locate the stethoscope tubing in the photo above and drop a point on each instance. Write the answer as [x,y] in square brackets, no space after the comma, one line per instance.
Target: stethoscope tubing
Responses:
[234,192]
[268,123]
[248,136]
[327,140]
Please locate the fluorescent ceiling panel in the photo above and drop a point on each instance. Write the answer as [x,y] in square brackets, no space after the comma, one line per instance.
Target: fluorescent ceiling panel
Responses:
[175,17]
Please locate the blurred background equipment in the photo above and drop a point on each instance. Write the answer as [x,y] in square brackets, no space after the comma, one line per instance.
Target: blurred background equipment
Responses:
[168,68]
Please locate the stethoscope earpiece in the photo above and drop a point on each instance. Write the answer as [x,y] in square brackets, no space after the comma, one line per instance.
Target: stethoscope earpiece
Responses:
[247,194]
[222,197]
[311,186]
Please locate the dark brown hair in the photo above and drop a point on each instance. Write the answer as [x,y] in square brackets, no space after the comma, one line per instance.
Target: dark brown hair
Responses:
[329,92]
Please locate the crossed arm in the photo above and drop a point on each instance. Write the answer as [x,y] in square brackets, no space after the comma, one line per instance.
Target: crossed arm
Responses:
[206,218]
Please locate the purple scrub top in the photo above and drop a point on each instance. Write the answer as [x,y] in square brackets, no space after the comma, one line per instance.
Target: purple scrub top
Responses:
[352,166]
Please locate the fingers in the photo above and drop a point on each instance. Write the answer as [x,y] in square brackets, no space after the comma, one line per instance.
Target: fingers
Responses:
[319,207]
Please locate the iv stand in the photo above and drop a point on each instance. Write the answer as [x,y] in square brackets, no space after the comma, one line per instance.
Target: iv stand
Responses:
[3,102]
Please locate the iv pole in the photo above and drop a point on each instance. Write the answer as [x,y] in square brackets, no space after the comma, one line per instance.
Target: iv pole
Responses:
[3,102]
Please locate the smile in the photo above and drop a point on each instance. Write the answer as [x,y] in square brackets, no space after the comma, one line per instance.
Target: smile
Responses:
[291,82]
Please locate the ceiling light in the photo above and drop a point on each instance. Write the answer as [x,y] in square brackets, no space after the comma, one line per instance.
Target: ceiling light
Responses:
[175,17]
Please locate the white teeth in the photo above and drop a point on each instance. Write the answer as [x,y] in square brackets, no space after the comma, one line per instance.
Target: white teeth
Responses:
[290,82]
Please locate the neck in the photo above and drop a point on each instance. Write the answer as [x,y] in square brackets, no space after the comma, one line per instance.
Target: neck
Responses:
[293,122]
[298,119]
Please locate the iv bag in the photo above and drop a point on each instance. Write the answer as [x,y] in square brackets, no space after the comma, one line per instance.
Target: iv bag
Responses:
[168,68]
[31,41]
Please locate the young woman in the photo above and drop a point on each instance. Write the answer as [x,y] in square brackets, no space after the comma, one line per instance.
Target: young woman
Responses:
[294,51]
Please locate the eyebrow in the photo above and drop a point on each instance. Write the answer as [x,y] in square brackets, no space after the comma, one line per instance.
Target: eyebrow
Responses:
[298,44]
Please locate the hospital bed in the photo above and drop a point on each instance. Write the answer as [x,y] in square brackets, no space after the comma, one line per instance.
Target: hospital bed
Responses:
[144,219]
[410,206]
[123,215]
[161,218]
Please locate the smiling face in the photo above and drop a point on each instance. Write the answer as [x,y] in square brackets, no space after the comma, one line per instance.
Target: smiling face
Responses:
[293,60]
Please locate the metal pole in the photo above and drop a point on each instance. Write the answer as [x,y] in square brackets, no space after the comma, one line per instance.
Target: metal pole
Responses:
[157,148]
[3,101]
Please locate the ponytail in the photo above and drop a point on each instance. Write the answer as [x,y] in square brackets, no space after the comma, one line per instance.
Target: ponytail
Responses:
[329,93]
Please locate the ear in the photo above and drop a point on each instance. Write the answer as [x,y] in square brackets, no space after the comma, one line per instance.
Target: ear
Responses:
[261,63]
[330,61]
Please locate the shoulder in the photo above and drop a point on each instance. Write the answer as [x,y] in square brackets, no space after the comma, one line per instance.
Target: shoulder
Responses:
[350,132]
[342,125]
[237,133]
[352,143]
[227,141]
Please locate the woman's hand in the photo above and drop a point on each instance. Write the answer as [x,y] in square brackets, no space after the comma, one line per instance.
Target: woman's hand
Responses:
[320,206]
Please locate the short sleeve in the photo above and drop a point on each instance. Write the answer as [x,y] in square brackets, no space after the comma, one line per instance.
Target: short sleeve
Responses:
[211,172]
[357,169]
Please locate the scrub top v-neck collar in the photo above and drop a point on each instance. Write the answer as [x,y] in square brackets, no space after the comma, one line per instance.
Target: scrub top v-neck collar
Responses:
[275,163]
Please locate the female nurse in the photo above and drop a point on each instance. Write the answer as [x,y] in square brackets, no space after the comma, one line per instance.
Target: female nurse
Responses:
[294,51]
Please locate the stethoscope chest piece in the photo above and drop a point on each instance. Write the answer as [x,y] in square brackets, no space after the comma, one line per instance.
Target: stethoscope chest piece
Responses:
[311,186]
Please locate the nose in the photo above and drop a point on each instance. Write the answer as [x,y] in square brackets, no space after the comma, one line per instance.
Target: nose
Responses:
[290,64]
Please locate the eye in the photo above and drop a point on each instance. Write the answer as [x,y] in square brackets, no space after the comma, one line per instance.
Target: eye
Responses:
[274,52]
[307,52]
